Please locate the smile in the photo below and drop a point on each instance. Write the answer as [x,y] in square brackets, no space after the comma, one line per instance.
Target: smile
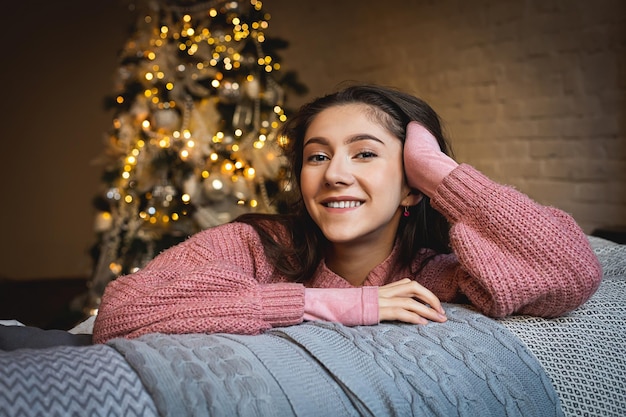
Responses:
[343,204]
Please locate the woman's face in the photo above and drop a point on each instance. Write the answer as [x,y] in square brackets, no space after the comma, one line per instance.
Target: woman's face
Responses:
[352,178]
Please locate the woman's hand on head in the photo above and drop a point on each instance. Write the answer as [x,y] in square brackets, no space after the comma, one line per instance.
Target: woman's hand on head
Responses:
[410,302]
[424,163]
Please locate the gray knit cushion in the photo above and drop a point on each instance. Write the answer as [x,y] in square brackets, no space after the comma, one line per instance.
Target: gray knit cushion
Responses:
[70,381]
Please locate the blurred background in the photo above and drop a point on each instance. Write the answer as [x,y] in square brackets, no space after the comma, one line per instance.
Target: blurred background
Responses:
[531,92]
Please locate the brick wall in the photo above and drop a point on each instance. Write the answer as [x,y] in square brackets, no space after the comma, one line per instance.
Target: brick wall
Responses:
[533,93]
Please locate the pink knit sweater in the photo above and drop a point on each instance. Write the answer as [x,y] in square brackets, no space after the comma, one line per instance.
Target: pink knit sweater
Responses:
[511,255]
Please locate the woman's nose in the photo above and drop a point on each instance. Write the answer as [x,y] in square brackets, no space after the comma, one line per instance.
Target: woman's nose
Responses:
[338,171]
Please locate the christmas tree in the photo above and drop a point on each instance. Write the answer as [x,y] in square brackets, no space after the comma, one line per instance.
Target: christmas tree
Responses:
[197,102]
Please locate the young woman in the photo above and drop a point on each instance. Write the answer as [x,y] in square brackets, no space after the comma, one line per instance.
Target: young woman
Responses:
[384,225]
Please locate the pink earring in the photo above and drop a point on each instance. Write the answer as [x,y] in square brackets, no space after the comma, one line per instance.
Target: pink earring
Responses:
[406,211]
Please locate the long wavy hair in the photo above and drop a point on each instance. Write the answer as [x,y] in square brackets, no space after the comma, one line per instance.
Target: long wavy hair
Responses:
[298,255]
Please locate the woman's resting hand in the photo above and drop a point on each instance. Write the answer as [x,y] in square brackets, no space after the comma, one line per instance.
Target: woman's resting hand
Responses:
[409,302]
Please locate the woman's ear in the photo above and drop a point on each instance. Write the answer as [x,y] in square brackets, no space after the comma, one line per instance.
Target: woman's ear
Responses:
[413,198]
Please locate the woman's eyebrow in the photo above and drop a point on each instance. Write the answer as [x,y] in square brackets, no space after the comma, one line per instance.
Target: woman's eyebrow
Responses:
[352,139]
[318,140]
[363,136]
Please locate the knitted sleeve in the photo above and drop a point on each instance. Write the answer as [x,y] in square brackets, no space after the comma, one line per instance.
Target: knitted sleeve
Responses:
[217,281]
[511,254]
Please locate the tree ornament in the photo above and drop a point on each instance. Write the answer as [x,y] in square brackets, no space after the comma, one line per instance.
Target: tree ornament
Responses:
[166,120]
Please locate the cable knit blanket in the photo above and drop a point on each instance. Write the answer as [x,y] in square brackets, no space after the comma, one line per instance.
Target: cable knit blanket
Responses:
[470,366]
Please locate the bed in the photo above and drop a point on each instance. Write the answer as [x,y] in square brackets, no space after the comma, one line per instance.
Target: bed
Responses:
[471,365]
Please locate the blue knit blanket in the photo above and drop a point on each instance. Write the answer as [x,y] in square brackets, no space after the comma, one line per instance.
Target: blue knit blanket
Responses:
[469,366]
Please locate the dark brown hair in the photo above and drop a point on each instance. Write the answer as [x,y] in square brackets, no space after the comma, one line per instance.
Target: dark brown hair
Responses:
[299,254]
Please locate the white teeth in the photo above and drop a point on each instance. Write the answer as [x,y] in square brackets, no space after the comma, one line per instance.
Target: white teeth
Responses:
[343,204]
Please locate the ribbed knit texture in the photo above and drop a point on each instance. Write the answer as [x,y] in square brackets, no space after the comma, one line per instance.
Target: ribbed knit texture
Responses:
[517,256]
[511,255]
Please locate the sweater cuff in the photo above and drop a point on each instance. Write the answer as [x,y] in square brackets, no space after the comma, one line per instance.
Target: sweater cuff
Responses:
[460,192]
[370,305]
[281,304]
[357,306]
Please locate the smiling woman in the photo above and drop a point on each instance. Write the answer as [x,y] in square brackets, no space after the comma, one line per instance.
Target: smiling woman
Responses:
[384,226]
[353,186]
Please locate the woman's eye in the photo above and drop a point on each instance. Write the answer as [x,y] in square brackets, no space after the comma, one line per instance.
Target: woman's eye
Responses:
[317,158]
[366,154]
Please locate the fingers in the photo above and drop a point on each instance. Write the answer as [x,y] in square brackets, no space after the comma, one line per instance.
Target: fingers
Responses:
[410,302]
[407,288]
[397,283]
[408,310]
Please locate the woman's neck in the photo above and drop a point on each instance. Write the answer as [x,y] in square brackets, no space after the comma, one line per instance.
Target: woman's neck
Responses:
[354,262]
